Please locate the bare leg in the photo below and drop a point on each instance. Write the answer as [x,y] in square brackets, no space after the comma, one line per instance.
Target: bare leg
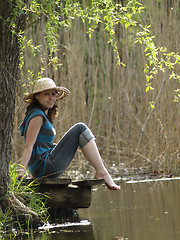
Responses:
[91,153]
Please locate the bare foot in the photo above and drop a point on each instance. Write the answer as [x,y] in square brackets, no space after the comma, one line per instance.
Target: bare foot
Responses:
[108,181]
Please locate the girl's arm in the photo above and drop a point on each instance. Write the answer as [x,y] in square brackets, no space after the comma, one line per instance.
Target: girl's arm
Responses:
[31,136]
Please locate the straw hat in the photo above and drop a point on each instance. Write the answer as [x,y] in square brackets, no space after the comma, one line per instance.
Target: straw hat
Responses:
[46,84]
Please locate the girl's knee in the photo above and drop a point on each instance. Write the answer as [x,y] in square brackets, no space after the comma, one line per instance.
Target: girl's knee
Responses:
[82,126]
[86,136]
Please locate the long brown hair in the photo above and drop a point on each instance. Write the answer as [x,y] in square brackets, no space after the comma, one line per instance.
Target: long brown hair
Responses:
[52,113]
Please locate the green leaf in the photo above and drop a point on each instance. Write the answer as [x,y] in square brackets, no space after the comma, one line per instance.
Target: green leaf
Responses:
[151,105]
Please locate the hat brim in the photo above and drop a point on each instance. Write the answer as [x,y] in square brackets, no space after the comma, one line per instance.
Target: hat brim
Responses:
[62,92]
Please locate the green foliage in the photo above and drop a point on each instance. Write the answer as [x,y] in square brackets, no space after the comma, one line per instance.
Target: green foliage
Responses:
[158,60]
[26,193]
[4,219]
[56,14]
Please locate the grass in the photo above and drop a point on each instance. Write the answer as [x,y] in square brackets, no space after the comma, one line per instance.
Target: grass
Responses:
[28,195]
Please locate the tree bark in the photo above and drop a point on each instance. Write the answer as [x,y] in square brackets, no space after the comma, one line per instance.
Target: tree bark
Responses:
[9,61]
[8,76]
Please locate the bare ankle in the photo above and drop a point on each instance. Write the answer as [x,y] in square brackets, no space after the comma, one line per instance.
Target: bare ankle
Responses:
[101,174]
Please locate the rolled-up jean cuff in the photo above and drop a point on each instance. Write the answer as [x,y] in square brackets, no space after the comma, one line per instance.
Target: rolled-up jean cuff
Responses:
[85,138]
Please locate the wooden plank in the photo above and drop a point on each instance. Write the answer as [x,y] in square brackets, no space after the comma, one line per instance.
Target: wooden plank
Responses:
[55,181]
[66,181]
[88,182]
[65,193]
[49,181]
[67,197]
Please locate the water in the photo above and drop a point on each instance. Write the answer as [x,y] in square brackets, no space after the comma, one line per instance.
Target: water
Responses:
[147,210]
[140,211]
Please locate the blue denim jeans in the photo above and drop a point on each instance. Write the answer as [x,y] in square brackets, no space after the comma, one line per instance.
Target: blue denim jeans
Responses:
[63,153]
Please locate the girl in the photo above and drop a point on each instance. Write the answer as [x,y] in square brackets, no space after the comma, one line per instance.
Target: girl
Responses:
[41,155]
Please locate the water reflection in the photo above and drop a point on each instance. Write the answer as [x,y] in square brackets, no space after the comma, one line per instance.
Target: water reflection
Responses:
[73,231]
[139,211]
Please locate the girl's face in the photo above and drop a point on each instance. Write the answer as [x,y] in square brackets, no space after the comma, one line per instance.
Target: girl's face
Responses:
[47,98]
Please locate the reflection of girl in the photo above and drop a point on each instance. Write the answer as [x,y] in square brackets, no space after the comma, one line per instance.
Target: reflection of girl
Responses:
[41,155]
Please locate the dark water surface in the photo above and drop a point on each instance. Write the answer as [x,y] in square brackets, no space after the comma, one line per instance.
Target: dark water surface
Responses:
[139,211]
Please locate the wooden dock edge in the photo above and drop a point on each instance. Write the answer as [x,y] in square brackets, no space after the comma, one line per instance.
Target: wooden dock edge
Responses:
[63,193]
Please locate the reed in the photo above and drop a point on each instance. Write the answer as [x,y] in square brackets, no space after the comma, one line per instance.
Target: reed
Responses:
[111,99]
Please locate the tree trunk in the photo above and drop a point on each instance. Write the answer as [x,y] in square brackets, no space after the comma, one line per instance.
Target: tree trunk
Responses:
[8,77]
[9,60]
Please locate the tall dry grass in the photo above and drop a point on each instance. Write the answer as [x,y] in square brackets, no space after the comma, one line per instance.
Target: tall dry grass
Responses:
[110,99]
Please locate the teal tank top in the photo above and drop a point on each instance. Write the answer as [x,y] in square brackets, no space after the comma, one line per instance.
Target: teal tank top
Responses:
[43,145]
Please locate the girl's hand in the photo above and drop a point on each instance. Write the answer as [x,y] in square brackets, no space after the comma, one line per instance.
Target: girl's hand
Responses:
[21,172]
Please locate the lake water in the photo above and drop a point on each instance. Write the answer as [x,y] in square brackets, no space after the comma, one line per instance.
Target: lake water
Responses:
[146,210]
